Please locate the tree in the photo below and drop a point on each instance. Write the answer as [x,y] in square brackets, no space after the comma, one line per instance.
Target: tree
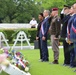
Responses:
[70,2]
[55,3]
[18,11]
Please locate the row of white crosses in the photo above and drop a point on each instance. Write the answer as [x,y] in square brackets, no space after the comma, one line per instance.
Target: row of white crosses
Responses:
[21,36]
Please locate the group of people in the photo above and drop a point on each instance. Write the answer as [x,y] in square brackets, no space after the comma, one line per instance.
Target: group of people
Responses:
[49,23]
[60,28]
[69,35]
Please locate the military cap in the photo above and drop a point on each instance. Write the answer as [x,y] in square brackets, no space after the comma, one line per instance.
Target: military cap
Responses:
[54,9]
[67,6]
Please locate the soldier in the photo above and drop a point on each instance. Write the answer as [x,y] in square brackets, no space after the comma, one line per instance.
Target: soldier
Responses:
[64,22]
[55,32]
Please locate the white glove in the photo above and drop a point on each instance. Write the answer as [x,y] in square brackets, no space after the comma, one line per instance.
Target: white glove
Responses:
[62,12]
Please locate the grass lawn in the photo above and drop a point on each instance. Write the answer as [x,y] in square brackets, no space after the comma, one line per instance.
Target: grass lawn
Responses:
[44,68]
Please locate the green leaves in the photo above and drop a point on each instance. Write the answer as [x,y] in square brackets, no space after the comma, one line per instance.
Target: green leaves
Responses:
[55,3]
[21,11]
[18,11]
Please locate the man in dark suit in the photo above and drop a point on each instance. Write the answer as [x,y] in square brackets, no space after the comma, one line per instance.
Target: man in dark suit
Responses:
[73,34]
[43,35]
[38,29]
[71,44]
[64,35]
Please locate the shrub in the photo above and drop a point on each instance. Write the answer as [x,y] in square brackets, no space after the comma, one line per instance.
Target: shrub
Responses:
[32,32]
[12,34]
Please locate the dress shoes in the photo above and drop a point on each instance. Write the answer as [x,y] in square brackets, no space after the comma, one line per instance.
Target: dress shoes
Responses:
[40,60]
[44,60]
[66,64]
[55,62]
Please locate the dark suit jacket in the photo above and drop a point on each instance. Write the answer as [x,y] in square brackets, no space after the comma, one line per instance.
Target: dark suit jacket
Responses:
[72,33]
[62,16]
[64,27]
[70,23]
[46,26]
[38,29]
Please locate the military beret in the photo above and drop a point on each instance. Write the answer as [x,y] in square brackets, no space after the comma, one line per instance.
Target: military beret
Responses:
[54,9]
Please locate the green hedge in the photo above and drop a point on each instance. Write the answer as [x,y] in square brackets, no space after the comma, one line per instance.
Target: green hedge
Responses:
[11,34]
[32,33]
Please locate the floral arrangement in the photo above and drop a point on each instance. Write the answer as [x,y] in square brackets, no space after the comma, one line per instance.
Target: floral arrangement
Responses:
[14,57]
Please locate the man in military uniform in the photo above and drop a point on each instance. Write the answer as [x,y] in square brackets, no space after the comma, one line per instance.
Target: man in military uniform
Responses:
[55,32]
[64,22]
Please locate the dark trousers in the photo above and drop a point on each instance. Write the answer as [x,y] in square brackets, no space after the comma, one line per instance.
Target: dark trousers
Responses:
[66,52]
[33,27]
[72,54]
[40,48]
[44,49]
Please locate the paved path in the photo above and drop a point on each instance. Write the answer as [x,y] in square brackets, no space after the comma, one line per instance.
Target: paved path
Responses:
[26,47]
[15,25]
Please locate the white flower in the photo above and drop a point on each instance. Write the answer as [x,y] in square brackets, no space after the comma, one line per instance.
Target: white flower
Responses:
[5,62]
[27,69]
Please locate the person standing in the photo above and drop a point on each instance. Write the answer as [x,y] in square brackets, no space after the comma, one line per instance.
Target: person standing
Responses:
[63,34]
[71,44]
[73,34]
[33,23]
[43,35]
[38,29]
[55,32]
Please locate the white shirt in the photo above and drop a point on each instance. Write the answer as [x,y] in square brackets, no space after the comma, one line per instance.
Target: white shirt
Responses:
[73,14]
[33,22]
[46,17]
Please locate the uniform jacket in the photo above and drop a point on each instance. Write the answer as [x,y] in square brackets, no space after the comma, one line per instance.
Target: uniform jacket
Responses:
[64,27]
[55,26]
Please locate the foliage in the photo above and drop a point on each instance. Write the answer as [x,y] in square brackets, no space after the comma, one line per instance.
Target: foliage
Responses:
[12,34]
[55,3]
[21,11]
[70,2]
[8,34]
[32,33]
[18,11]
